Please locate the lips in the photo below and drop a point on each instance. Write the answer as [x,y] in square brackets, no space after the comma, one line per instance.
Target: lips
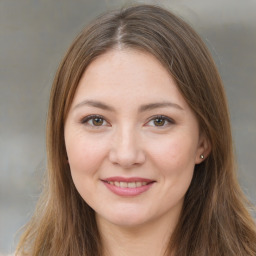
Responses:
[123,184]
[128,186]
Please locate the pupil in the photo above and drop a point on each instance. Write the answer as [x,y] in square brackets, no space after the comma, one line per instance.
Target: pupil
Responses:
[159,122]
[97,121]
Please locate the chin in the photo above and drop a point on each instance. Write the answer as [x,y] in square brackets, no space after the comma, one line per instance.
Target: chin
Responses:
[126,218]
[128,222]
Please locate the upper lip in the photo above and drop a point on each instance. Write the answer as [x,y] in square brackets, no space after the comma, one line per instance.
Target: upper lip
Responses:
[126,179]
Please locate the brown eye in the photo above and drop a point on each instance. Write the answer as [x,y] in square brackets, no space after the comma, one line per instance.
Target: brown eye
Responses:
[94,121]
[159,122]
[97,121]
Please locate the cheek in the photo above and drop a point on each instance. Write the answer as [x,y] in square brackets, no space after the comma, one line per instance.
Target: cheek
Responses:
[174,155]
[85,155]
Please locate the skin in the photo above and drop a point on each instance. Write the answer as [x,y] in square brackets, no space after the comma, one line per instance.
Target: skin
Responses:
[129,141]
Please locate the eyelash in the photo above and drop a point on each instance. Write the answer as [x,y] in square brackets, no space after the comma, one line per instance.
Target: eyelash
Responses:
[167,120]
[86,120]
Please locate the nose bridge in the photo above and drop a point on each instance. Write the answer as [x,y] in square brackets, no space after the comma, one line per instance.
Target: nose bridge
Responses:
[126,149]
[126,137]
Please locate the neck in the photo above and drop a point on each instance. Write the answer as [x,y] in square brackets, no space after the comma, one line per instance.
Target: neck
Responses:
[149,239]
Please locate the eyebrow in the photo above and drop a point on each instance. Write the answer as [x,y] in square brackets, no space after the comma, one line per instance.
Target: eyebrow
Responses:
[159,105]
[96,104]
[143,108]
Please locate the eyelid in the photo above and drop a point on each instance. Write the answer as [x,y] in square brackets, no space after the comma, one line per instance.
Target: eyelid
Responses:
[85,120]
[166,118]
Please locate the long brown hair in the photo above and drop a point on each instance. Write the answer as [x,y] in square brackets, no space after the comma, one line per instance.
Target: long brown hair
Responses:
[214,220]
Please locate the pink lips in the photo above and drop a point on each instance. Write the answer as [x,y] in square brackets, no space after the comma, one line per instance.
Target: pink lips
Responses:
[128,186]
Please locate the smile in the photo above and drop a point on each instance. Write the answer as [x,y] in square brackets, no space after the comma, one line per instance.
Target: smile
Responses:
[123,184]
[128,186]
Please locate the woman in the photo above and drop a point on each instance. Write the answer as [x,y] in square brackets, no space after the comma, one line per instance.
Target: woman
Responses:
[140,157]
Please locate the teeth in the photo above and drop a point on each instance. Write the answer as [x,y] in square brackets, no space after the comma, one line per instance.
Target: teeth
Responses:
[138,184]
[123,184]
[131,185]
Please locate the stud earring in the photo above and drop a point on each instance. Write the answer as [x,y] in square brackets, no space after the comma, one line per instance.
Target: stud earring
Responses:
[202,156]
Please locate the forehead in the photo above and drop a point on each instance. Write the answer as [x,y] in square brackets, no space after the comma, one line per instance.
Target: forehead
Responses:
[130,76]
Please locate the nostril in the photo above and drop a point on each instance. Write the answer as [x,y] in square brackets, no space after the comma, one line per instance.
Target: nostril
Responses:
[126,157]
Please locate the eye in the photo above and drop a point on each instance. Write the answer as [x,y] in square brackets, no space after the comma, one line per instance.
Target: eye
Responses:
[94,120]
[160,121]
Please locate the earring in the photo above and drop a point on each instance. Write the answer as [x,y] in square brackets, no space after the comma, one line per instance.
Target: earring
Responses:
[202,156]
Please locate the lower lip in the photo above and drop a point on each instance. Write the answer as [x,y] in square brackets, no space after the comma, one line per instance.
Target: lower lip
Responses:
[128,191]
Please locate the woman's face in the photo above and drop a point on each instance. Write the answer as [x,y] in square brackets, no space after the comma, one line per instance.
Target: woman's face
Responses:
[132,141]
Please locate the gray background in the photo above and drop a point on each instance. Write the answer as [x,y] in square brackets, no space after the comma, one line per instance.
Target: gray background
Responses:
[34,35]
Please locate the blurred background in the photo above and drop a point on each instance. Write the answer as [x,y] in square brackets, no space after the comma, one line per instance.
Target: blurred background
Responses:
[34,35]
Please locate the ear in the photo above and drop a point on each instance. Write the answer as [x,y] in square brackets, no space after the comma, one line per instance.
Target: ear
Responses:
[203,150]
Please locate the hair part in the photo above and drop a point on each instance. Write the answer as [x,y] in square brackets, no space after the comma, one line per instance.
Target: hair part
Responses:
[214,219]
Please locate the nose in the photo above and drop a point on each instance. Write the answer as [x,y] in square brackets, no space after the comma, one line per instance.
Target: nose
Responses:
[126,149]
